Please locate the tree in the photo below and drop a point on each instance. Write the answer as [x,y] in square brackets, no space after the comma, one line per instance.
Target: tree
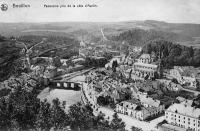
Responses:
[59,119]
[114,65]
[135,129]
[57,62]
[43,118]
[117,123]
[80,117]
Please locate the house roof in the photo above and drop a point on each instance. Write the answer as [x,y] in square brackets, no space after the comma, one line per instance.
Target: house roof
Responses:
[185,110]
[180,99]
[150,101]
[131,104]
[146,65]
[145,56]
[187,70]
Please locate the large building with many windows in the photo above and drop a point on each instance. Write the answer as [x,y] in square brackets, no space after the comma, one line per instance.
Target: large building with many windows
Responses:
[144,66]
[183,115]
[143,69]
[141,109]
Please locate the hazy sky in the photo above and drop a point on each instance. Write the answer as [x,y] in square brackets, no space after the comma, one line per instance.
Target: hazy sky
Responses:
[181,11]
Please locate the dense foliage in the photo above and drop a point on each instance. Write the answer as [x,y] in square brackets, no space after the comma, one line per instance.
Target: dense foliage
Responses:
[11,56]
[173,54]
[10,64]
[141,37]
[95,62]
[22,110]
[64,47]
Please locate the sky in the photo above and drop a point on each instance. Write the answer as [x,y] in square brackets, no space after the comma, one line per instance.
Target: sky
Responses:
[174,11]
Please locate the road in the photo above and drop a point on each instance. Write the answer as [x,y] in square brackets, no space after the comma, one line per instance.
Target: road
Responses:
[195,92]
[129,121]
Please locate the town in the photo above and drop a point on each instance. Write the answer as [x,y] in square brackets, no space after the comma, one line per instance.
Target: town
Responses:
[125,80]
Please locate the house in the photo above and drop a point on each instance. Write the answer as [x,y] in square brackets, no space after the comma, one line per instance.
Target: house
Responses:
[184,116]
[130,108]
[140,109]
[171,85]
[184,76]
[180,99]
[38,70]
[50,72]
[149,102]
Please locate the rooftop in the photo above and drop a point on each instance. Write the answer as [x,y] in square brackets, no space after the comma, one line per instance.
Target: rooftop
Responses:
[149,101]
[185,109]
[131,104]
[146,65]
[145,56]
[187,70]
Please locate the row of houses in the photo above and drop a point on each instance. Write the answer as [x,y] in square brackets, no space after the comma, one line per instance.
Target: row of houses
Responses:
[187,76]
[143,108]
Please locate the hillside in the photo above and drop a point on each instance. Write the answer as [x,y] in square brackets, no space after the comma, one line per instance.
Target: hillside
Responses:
[90,31]
[173,54]
[11,55]
[141,37]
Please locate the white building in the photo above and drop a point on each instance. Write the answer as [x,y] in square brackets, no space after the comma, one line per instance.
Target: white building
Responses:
[143,69]
[130,108]
[141,110]
[184,76]
[183,115]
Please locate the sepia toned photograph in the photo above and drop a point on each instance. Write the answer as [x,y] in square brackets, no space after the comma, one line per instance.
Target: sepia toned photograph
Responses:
[99,65]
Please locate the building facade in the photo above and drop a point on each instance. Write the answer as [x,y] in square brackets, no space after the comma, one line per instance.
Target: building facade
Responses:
[143,66]
[143,69]
[141,109]
[184,116]
[182,77]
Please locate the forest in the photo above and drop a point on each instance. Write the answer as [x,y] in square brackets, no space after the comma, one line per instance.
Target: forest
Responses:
[140,37]
[21,110]
[11,53]
[172,54]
